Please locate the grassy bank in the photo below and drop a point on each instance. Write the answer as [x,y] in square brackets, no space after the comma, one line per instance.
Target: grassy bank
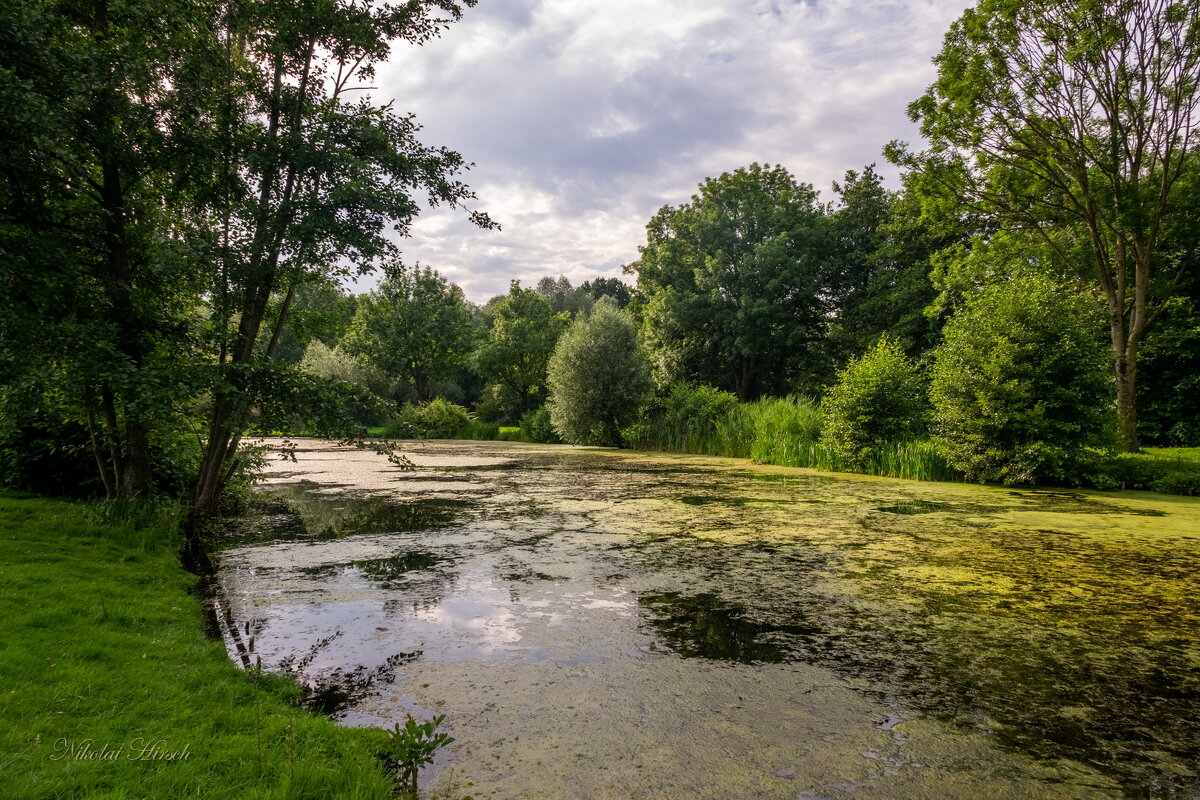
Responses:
[107,674]
[787,432]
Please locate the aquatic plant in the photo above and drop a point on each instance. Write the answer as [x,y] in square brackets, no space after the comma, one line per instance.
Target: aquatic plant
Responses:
[412,746]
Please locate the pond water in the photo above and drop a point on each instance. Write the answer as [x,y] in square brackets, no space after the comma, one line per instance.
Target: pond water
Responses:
[603,624]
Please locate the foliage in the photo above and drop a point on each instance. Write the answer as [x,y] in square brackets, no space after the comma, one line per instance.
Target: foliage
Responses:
[1169,377]
[178,176]
[1166,470]
[437,419]
[1019,383]
[413,746]
[598,376]
[730,280]
[517,350]
[336,365]
[688,417]
[535,426]
[97,112]
[415,327]
[318,312]
[787,431]
[102,624]
[878,397]
[1075,122]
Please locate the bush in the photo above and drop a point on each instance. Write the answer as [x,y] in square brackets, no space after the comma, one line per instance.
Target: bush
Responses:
[535,427]
[1021,384]
[335,364]
[437,419]
[598,377]
[878,397]
[689,419]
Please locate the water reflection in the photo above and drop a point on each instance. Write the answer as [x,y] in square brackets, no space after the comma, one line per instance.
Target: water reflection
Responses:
[305,511]
[1060,627]
[704,626]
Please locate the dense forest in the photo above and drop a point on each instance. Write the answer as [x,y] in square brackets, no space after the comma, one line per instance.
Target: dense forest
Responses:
[188,187]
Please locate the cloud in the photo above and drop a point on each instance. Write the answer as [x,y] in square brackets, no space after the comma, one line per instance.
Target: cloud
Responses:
[583,117]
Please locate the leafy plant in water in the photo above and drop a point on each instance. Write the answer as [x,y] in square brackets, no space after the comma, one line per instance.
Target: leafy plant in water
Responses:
[412,746]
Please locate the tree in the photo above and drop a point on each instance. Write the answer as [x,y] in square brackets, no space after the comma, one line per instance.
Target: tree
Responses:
[877,267]
[306,180]
[878,397]
[615,288]
[99,102]
[318,312]
[518,347]
[731,280]
[1075,122]
[176,174]
[416,327]
[1019,383]
[599,378]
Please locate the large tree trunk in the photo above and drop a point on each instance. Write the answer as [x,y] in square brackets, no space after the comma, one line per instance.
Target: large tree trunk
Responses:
[1126,374]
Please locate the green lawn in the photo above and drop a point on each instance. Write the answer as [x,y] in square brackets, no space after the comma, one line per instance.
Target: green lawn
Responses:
[103,654]
[1181,455]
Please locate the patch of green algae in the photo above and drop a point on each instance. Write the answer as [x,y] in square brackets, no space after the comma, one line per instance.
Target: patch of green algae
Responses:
[717,630]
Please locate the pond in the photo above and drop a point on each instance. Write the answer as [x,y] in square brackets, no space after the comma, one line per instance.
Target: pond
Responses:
[606,624]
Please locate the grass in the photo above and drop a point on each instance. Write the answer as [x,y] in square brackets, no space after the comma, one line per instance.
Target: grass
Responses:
[786,432]
[104,651]
[1170,470]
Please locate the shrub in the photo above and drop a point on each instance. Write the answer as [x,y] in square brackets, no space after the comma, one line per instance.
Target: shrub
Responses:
[1020,384]
[437,419]
[535,426]
[598,377]
[878,397]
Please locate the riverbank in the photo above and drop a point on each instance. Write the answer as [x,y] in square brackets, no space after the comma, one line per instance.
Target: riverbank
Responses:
[784,442]
[111,688]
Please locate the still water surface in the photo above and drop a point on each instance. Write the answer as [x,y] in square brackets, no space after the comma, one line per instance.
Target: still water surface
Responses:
[601,624]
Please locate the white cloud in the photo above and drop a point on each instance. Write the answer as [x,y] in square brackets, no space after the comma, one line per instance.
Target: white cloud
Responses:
[585,116]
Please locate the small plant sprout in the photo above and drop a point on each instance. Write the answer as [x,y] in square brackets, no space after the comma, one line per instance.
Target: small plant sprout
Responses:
[412,746]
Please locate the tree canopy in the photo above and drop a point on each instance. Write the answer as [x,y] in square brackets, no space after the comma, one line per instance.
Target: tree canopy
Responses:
[525,329]
[415,326]
[730,280]
[599,377]
[1075,122]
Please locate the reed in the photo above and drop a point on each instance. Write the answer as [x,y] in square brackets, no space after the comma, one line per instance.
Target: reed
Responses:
[777,430]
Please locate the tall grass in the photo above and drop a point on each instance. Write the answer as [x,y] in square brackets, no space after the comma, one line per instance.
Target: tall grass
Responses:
[782,430]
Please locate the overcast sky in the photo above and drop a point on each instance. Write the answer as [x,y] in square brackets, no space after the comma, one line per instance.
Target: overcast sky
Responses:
[583,117]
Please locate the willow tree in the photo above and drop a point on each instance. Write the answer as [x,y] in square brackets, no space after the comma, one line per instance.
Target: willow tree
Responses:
[1074,122]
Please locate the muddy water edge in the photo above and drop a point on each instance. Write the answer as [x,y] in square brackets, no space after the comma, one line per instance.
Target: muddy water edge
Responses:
[600,624]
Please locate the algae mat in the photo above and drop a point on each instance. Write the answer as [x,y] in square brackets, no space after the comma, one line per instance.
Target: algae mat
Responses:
[602,624]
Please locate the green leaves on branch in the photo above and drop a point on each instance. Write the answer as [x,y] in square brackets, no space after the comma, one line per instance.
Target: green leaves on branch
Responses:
[1019,386]
[879,397]
[731,280]
[599,378]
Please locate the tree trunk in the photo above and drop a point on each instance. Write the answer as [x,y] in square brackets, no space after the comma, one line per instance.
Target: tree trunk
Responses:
[745,380]
[1126,373]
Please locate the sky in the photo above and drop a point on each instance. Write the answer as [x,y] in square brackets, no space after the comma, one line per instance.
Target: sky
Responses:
[584,117]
